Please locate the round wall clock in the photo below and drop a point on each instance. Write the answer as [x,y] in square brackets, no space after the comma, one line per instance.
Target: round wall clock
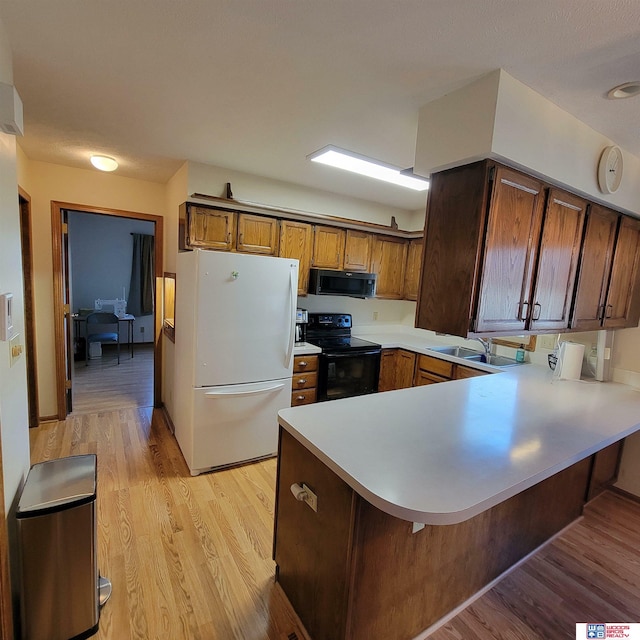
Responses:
[610,169]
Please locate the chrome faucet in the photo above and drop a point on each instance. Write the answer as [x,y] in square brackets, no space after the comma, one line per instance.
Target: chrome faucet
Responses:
[486,343]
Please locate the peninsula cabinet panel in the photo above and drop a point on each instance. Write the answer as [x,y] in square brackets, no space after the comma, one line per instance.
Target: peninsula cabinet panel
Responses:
[357,251]
[623,298]
[354,572]
[388,261]
[328,247]
[257,234]
[412,274]
[296,241]
[595,268]
[557,261]
[211,228]
[513,231]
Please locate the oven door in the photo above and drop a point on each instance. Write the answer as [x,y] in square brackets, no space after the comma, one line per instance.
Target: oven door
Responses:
[347,374]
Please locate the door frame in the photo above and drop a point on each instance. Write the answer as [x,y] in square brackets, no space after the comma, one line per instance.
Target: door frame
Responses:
[26,241]
[63,348]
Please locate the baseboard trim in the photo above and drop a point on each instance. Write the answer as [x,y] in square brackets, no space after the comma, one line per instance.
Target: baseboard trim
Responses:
[625,494]
[42,419]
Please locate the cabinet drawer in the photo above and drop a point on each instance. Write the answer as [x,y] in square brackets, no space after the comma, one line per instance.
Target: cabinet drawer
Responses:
[305,363]
[423,377]
[436,365]
[468,372]
[306,380]
[304,396]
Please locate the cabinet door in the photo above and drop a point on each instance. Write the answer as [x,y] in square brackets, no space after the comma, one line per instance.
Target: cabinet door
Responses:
[557,261]
[595,268]
[412,274]
[424,377]
[328,247]
[357,251]
[405,367]
[462,372]
[513,231]
[622,306]
[257,234]
[388,261]
[296,242]
[387,378]
[212,228]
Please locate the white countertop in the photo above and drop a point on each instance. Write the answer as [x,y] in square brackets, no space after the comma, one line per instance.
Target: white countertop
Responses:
[305,349]
[442,453]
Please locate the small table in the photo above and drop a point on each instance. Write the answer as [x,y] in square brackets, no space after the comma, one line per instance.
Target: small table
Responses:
[79,320]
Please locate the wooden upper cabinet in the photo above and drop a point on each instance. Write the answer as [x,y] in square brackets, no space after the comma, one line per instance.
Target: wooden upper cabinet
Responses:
[257,234]
[328,247]
[296,241]
[412,273]
[211,228]
[557,261]
[357,250]
[595,268]
[388,261]
[512,235]
[623,298]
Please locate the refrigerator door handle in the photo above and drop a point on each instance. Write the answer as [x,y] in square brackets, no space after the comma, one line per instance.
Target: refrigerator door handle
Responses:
[248,392]
[293,292]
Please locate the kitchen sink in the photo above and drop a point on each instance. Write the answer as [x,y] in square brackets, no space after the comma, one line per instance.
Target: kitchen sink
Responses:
[476,356]
[458,352]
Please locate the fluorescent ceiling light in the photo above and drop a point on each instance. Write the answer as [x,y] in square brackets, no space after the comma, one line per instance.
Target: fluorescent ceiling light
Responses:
[104,163]
[349,161]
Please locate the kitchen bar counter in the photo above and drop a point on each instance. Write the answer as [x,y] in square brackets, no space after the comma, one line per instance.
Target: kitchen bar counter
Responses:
[440,454]
[425,495]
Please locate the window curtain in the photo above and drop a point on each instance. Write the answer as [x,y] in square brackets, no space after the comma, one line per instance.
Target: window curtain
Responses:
[142,285]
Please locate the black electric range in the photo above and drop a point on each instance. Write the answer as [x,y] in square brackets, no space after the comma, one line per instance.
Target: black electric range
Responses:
[347,366]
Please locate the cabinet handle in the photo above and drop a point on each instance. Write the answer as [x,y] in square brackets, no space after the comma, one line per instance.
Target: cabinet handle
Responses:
[523,311]
[241,238]
[609,311]
[601,310]
[229,236]
[303,363]
[302,381]
[300,398]
[538,306]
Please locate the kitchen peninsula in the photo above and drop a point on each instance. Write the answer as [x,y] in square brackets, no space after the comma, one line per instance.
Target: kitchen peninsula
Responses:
[425,495]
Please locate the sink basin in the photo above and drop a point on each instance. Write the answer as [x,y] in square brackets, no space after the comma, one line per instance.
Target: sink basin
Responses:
[458,352]
[476,356]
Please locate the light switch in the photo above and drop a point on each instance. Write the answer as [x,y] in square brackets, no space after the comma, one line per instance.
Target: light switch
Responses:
[15,349]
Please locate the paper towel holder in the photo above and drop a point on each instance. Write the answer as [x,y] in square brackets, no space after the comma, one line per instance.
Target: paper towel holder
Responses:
[569,364]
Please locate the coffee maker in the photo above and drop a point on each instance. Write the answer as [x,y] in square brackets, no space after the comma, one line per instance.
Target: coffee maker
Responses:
[302,317]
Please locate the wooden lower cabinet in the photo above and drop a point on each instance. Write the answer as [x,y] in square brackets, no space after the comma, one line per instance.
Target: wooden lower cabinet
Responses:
[430,370]
[353,572]
[462,372]
[304,381]
[396,369]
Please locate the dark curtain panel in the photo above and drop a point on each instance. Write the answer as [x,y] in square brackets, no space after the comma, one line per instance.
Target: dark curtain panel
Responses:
[142,286]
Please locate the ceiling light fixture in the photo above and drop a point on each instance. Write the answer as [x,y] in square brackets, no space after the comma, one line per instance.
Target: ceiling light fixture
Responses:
[354,162]
[104,163]
[626,90]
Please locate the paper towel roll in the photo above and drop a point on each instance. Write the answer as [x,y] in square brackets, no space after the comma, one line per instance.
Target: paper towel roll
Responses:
[570,358]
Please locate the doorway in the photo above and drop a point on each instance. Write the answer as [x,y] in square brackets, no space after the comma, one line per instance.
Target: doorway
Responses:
[65,307]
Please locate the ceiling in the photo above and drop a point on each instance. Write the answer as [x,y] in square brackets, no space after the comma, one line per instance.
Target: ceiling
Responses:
[257,85]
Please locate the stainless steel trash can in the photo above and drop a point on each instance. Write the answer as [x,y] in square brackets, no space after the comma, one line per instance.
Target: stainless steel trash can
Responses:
[57,536]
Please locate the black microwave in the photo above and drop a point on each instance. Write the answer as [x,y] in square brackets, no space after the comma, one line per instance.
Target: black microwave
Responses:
[324,282]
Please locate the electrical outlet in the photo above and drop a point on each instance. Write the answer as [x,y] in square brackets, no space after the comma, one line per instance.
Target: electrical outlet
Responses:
[547,341]
[375,315]
[141,329]
[15,349]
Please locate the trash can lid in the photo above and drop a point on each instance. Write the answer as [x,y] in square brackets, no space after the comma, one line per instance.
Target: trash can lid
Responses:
[58,484]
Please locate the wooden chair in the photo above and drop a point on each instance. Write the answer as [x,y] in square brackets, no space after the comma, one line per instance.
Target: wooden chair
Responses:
[109,331]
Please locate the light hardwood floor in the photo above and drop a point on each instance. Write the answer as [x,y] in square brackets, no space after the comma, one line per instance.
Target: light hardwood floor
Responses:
[105,385]
[190,558]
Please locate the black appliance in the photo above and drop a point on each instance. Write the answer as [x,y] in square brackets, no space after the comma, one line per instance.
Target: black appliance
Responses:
[325,282]
[347,366]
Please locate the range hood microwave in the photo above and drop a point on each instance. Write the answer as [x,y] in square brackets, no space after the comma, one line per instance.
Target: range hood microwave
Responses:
[324,282]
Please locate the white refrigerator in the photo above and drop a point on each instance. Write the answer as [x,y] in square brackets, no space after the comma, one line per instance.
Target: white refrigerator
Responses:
[234,337]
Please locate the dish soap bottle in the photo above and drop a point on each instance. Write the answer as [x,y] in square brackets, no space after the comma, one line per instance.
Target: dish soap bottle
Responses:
[520,354]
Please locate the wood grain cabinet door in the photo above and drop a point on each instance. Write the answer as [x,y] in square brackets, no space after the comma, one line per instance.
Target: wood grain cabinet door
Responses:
[412,273]
[405,367]
[296,239]
[257,234]
[623,304]
[357,250]
[512,235]
[328,247]
[387,377]
[595,268]
[212,228]
[388,261]
[557,261]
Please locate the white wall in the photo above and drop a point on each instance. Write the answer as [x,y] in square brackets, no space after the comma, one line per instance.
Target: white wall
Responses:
[14,429]
[101,251]
[499,117]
